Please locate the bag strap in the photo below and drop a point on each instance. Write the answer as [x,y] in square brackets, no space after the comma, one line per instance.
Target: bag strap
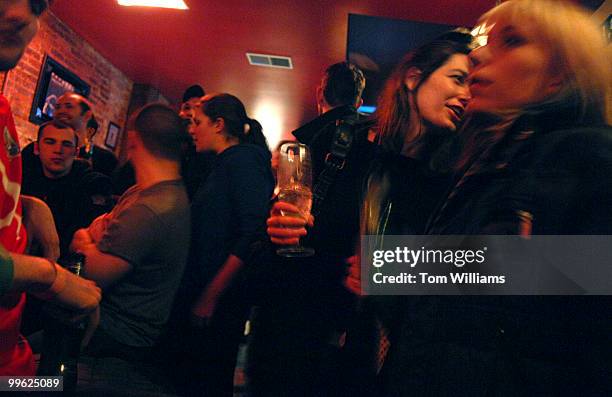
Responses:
[335,160]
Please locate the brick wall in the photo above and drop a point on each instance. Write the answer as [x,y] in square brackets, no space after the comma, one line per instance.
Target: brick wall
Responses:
[110,88]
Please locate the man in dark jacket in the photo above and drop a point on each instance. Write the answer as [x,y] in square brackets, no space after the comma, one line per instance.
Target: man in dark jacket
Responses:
[337,221]
[299,327]
[75,194]
[75,111]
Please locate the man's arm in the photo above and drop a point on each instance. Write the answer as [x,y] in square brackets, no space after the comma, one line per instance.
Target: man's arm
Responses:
[50,281]
[105,269]
[39,223]
[205,306]
[127,236]
[80,239]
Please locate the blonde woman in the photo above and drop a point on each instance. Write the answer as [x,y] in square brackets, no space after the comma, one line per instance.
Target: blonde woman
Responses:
[538,160]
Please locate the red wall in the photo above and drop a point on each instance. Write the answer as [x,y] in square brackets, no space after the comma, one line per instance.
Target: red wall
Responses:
[110,88]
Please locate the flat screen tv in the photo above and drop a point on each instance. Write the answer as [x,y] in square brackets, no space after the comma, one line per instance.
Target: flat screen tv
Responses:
[54,80]
[377,44]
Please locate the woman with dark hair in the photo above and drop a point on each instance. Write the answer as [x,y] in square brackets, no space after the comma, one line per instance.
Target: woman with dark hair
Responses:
[404,115]
[419,109]
[422,103]
[228,214]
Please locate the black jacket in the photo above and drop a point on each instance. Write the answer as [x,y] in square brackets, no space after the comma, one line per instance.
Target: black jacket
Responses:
[102,160]
[75,199]
[337,225]
[541,181]
[562,179]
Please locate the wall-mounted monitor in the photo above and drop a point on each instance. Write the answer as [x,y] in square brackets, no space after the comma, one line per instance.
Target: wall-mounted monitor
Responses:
[376,45]
[54,80]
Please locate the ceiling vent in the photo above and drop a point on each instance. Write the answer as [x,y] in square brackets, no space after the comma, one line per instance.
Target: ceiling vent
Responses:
[270,61]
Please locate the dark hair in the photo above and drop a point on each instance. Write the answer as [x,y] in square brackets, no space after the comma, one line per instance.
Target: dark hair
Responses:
[56,124]
[195,91]
[394,107]
[92,123]
[161,130]
[237,123]
[343,84]
[84,104]
[393,116]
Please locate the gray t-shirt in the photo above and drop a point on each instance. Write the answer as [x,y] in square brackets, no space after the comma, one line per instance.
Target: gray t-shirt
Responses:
[150,229]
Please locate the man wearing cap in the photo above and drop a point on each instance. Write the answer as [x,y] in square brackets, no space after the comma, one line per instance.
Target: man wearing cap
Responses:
[195,165]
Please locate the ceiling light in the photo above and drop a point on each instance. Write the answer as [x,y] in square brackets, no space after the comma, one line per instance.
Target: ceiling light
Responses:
[177,4]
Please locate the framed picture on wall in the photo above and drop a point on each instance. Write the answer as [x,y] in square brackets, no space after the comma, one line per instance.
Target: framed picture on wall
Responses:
[112,135]
[53,81]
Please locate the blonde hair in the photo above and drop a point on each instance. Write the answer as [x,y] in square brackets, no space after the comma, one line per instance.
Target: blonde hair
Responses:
[578,51]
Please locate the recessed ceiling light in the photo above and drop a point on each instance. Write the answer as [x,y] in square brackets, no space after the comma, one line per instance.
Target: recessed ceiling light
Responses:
[177,4]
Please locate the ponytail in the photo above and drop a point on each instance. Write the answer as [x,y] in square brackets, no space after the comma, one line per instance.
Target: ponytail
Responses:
[253,134]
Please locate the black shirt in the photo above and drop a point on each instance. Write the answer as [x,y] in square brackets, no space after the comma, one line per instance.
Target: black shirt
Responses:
[75,199]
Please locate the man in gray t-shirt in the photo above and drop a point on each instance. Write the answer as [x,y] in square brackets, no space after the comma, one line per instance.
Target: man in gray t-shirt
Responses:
[137,252]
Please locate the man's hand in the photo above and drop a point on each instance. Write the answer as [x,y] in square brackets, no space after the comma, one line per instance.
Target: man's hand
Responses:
[353,280]
[286,224]
[78,294]
[80,240]
[50,281]
[97,227]
[42,233]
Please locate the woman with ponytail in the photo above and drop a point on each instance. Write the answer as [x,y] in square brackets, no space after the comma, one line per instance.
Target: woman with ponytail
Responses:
[229,212]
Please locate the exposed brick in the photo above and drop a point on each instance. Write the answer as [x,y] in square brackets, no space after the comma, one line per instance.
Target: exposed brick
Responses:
[110,88]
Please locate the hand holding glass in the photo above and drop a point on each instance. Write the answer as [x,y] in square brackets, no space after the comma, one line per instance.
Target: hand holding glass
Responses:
[295,187]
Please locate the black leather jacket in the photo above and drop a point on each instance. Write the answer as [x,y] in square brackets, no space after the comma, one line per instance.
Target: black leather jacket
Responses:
[540,181]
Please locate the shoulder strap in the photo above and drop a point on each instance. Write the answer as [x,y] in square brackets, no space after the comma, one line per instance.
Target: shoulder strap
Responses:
[335,159]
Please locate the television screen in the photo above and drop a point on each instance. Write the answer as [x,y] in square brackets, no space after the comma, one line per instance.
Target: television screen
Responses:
[54,80]
[377,44]
[57,86]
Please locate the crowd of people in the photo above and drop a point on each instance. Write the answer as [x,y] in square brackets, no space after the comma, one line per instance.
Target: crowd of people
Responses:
[505,133]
